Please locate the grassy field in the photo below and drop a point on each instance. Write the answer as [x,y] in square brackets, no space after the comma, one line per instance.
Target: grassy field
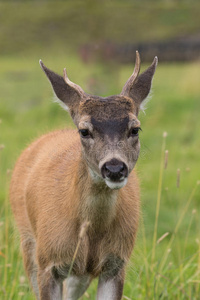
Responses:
[32,25]
[169,269]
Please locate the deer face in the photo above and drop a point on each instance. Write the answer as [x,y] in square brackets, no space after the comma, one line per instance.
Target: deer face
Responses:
[109,130]
[108,127]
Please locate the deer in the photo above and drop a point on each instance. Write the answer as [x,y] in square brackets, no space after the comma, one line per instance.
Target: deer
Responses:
[69,179]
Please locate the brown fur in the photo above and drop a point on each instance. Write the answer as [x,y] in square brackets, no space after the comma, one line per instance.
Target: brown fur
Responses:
[50,206]
[53,194]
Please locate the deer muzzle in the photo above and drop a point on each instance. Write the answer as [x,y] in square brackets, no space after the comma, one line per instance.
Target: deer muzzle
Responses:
[115,173]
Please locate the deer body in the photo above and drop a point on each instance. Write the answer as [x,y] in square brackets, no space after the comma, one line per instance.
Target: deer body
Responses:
[62,182]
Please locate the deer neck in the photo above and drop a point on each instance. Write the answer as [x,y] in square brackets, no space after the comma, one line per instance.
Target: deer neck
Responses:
[98,201]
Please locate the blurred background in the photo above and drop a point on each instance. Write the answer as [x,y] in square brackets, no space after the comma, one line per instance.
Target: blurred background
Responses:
[96,41]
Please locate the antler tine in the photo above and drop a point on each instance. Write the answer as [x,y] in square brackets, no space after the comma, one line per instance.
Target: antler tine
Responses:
[65,75]
[72,84]
[137,67]
[134,76]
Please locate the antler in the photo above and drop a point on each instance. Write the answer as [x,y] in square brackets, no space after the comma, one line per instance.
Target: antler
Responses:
[130,81]
[76,87]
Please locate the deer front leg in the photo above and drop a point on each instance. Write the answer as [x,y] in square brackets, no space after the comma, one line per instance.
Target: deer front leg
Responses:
[111,280]
[28,250]
[76,286]
[50,287]
[110,288]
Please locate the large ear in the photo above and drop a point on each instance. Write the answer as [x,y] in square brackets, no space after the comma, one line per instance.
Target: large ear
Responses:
[138,86]
[68,92]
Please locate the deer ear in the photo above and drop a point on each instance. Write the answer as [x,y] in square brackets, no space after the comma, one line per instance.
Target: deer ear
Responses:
[138,86]
[68,92]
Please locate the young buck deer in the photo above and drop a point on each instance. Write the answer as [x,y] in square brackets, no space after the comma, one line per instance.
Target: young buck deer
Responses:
[68,178]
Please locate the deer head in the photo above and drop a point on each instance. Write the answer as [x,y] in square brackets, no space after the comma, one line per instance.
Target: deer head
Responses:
[108,127]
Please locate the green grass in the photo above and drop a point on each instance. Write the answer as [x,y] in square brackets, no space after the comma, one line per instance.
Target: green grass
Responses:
[168,270]
[48,25]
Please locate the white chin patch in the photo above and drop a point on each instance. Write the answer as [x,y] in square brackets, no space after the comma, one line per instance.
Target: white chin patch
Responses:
[116,185]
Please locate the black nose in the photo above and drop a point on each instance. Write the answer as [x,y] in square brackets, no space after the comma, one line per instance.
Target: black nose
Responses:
[114,170]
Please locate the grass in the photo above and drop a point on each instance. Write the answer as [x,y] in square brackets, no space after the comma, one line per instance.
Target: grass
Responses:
[166,260]
[48,25]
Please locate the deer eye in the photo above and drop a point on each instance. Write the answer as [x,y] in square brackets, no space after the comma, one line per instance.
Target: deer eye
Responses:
[134,131]
[84,133]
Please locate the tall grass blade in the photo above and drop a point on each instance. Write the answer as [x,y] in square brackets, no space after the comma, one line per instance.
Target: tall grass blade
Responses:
[176,229]
[158,197]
